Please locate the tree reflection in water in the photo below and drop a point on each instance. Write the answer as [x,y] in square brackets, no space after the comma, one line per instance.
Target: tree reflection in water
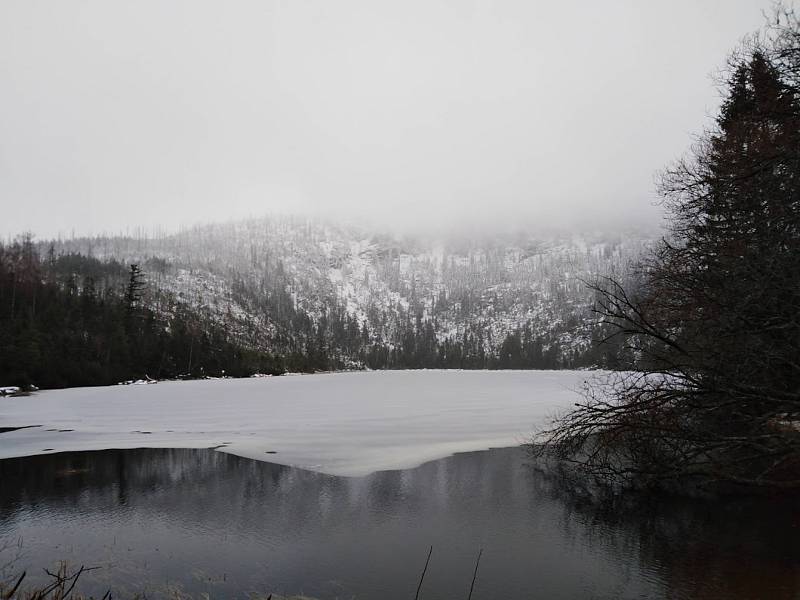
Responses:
[205,521]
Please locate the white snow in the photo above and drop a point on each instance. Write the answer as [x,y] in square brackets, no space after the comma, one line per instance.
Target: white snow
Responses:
[342,423]
[512,279]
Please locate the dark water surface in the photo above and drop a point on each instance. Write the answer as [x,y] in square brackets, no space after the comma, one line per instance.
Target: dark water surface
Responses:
[200,521]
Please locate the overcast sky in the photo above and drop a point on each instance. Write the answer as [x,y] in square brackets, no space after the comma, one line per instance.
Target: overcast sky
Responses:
[165,113]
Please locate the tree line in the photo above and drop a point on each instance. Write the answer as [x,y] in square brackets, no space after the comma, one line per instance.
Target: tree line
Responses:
[71,320]
[67,319]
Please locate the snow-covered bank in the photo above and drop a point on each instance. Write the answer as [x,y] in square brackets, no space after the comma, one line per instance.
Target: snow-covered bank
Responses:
[341,423]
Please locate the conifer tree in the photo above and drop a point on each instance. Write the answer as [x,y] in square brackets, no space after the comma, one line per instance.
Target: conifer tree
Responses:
[714,390]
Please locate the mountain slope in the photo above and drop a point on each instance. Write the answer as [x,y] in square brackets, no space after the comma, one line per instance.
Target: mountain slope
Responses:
[340,296]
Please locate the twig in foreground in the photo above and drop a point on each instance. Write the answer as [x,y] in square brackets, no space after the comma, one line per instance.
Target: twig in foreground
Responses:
[419,587]
[475,574]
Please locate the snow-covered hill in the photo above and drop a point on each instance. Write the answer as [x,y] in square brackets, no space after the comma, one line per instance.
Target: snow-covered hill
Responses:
[301,285]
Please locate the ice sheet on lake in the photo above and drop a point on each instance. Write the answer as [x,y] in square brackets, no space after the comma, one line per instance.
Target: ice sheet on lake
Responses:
[340,423]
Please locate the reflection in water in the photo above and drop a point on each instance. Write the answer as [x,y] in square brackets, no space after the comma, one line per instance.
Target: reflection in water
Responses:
[204,521]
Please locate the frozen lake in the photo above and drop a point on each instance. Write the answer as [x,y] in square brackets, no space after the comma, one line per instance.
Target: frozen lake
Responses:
[347,424]
[122,479]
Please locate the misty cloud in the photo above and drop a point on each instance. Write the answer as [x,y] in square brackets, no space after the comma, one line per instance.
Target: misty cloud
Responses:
[118,115]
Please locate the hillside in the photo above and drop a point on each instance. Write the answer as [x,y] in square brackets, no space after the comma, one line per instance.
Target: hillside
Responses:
[328,295]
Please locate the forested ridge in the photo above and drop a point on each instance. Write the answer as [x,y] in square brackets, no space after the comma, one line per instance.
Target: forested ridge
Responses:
[273,296]
[71,320]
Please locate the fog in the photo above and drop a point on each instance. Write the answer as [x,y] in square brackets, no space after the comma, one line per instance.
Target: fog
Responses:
[420,113]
